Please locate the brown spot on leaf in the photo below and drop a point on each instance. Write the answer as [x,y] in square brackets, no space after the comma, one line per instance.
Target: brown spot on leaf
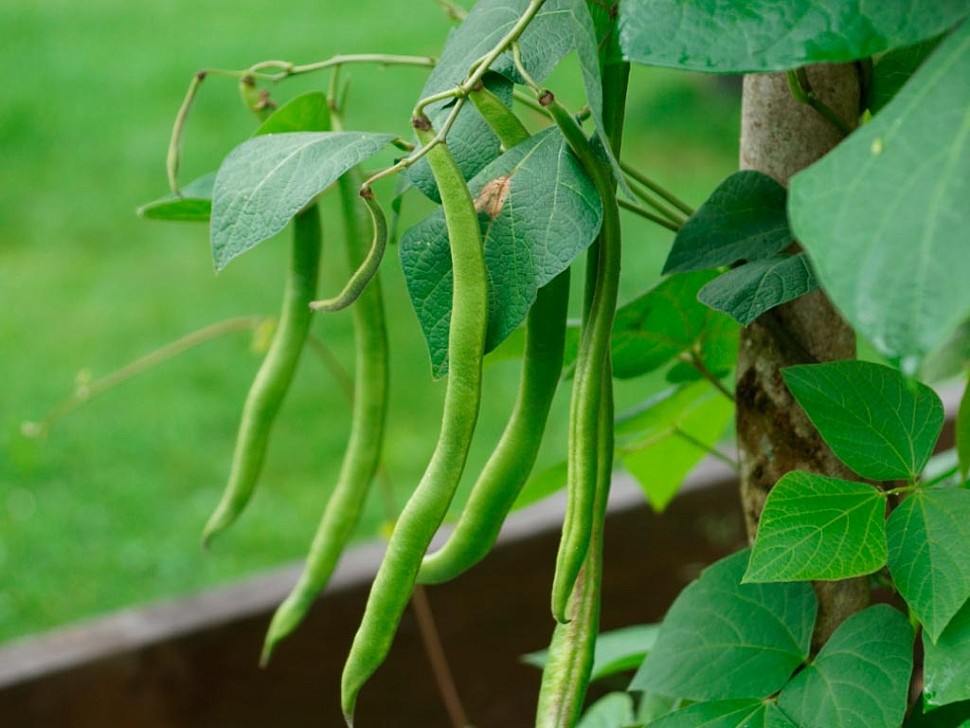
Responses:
[492,197]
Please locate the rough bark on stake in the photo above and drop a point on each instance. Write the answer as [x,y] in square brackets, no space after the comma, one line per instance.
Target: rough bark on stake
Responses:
[780,136]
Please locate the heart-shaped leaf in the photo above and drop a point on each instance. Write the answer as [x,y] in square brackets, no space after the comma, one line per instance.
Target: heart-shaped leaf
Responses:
[929,539]
[726,714]
[946,665]
[743,219]
[266,180]
[816,527]
[860,677]
[774,35]
[724,640]
[884,216]
[538,209]
[194,204]
[879,423]
[746,292]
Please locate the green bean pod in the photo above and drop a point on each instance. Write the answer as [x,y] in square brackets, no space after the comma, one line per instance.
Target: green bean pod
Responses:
[367,267]
[509,467]
[429,503]
[591,364]
[363,454]
[510,464]
[274,376]
[565,678]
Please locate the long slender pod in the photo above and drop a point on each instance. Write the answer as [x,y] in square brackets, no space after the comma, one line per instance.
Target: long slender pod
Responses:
[509,467]
[363,454]
[366,266]
[510,464]
[567,672]
[429,503]
[274,376]
[591,365]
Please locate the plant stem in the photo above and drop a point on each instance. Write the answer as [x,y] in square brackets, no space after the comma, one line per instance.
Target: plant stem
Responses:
[801,89]
[645,196]
[707,448]
[694,359]
[657,188]
[646,214]
[453,11]
[86,392]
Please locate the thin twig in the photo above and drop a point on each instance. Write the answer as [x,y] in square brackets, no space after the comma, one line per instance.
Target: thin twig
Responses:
[694,359]
[84,393]
[647,215]
[710,450]
[645,196]
[801,89]
[656,187]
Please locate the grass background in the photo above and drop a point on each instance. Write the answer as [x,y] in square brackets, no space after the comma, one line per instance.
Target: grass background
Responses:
[107,510]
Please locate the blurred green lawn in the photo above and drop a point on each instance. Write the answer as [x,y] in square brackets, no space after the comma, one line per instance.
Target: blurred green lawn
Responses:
[107,510]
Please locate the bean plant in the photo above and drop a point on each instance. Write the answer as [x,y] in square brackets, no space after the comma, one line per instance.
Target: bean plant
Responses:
[854,224]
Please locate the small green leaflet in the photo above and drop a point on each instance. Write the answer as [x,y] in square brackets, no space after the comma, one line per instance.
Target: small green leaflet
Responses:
[662,441]
[946,665]
[892,70]
[538,209]
[929,540]
[266,180]
[860,677]
[655,327]
[774,35]
[884,216]
[817,527]
[880,424]
[724,640]
[743,219]
[726,714]
[616,651]
[613,710]
[746,292]
[193,205]
[306,112]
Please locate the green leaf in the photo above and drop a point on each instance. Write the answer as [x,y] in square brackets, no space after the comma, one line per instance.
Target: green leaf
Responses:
[962,433]
[616,651]
[774,35]
[662,441]
[655,327]
[929,539]
[724,640]
[816,527]
[613,710]
[538,209]
[743,219]
[946,665]
[746,292]
[880,424]
[193,205]
[891,71]
[651,706]
[307,112]
[951,359]
[860,677]
[266,180]
[726,714]
[884,216]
